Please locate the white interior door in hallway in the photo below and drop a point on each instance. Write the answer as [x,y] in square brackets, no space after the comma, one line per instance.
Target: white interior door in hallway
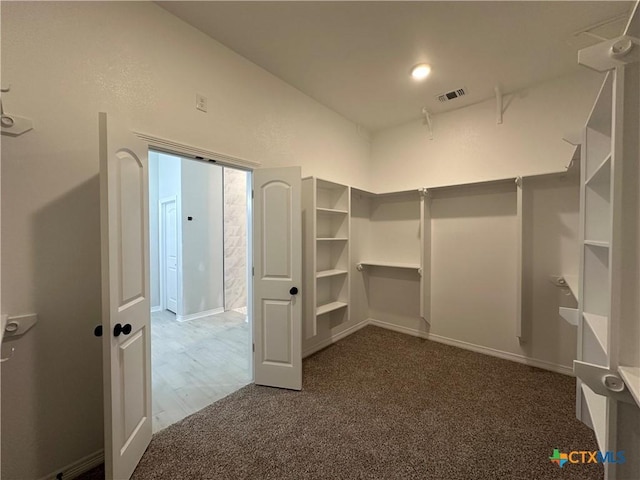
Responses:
[169,248]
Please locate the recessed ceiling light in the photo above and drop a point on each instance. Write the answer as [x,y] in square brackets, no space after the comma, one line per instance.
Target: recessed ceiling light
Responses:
[420,71]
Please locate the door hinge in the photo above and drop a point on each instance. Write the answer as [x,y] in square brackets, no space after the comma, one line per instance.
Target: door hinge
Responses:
[254,347]
[253,194]
[253,271]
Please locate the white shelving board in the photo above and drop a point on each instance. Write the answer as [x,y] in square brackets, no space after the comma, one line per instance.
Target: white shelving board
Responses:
[330,307]
[597,243]
[631,377]
[597,405]
[330,273]
[570,315]
[410,266]
[572,283]
[331,211]
[602,172]
[331,239]
[599,325]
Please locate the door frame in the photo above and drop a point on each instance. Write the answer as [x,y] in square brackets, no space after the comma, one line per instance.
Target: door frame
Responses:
[161,145]
[113,139]
[162,205]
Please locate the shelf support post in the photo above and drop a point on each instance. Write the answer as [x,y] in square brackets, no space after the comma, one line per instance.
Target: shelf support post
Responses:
[499,105]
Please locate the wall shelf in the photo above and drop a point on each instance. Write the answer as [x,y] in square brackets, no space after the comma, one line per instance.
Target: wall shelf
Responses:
[326,229]
[329,307]
[330,273]
[570,315]
[609,333]
[596,243]
[331,211]
[409,266]
[631,377]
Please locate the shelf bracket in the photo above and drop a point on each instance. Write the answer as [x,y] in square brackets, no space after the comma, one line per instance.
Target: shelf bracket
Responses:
[19,324]
[13,125]
[602,381]
[359,267]
[611,53]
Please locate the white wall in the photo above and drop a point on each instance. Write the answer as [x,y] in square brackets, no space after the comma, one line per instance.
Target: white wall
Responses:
[235,238]
[469,146]
[67,61]
[473,267]
[551,208]
[202,238]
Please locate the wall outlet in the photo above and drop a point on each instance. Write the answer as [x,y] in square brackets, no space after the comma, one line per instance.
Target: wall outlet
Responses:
[201,102]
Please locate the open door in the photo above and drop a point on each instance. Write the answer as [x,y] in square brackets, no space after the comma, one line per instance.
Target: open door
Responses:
[125,297]
[277,256]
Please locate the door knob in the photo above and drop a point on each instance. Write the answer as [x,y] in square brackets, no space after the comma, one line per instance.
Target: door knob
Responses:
[118,329]
[293,291]
[98,331]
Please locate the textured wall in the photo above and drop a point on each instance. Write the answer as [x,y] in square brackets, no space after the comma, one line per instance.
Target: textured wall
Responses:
[469,146]
[235,239]
[202,237]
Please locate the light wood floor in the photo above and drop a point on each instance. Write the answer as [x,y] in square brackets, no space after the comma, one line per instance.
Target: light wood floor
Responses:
[196,363]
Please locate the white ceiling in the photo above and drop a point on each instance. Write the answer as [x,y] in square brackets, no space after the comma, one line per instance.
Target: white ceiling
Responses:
[354,57]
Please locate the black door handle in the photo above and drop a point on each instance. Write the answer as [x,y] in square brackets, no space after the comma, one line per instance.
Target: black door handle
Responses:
[98,331]
[293,291]
[118,329]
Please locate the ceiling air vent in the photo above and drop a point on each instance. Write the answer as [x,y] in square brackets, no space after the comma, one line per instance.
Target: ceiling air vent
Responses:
[445,97]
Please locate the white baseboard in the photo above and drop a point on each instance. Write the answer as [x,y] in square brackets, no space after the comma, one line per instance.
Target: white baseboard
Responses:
[195,316]
[514,357]
[75,469]
[334,338]
[156,309]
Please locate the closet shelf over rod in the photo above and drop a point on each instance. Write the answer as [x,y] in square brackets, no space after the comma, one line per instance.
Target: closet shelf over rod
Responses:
[410,266]
[331,210]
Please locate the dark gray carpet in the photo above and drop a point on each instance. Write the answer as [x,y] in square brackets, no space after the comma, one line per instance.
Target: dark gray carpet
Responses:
[384,405]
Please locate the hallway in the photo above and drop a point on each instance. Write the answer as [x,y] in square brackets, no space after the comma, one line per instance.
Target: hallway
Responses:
[196,363]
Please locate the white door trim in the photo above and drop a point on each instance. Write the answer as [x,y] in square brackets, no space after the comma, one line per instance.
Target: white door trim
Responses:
[184,150]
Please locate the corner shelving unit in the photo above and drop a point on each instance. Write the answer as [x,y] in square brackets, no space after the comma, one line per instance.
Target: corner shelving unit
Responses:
[608,363]
[326,207]
[594,296]
[395,249]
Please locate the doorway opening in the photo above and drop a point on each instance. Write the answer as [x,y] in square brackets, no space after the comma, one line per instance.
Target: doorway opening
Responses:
[201,335]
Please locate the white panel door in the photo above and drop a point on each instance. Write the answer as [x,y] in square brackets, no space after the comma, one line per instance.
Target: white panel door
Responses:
[170,243]
[124,214]
[277,255]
